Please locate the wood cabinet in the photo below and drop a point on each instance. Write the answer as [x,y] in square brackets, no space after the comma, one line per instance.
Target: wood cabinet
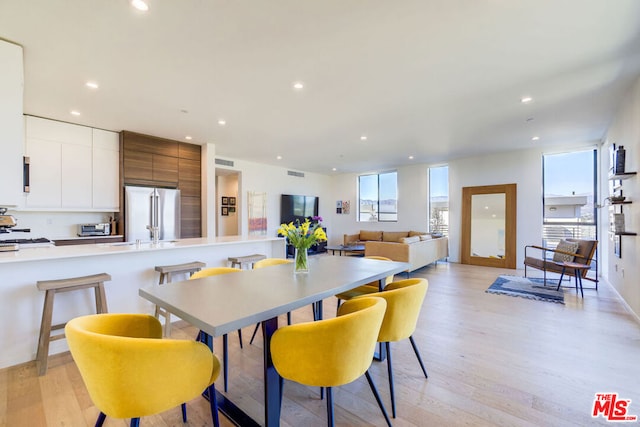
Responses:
[88,241]
[148,160]
[72,167]
[152,161]
[11,124]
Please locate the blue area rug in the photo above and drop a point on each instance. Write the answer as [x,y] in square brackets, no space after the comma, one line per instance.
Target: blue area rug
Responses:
[526,288]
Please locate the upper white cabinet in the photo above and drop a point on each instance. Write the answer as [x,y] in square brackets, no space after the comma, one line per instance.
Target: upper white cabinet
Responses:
[72,167]
[106,176]
[11,125]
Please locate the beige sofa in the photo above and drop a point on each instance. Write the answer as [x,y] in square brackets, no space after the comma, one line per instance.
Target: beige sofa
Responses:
[417,248]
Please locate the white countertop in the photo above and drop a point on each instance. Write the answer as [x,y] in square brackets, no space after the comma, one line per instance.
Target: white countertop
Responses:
[26,253]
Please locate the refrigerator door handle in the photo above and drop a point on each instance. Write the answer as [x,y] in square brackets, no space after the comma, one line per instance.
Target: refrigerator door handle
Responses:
[153,213]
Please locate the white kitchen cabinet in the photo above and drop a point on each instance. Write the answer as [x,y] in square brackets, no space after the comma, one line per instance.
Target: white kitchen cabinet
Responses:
[73,167]
[76,177]
[45,173]
[106,170]
[11,125]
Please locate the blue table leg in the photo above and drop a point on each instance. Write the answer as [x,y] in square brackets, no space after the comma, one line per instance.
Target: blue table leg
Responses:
[227,407]
[272,381]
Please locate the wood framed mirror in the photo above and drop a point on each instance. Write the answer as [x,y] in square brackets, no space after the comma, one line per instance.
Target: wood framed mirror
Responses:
[489,225]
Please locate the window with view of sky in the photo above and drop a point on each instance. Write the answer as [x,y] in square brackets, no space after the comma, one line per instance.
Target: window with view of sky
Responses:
[569,181]
[439,200]
[378,197]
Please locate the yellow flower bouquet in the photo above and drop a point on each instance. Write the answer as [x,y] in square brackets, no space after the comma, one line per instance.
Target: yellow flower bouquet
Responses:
[302,237]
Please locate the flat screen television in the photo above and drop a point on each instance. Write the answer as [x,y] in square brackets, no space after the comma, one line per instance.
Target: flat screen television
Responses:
[296,207]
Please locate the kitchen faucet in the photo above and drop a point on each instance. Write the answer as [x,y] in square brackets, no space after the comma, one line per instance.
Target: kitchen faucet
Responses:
[155,231]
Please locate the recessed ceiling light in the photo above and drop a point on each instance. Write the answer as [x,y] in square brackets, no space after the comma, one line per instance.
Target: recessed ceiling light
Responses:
[486,207]
[188,138]
[526,99]
[298,85]
[410,157]
[222,122]
[535,138]
[140,5]
[75,113]
[279,157]
[363,138]
[92,85]
[334,169]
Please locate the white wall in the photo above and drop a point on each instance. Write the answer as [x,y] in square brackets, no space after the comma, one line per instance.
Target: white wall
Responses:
[623,272]
[523,168]
[274,181]
[412,204]
[52,225]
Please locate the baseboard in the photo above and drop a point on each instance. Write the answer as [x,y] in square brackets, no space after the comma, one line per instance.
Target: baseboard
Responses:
[627,307]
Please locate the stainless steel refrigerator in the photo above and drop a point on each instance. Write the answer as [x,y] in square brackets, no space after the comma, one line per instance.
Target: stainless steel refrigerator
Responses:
[151,207]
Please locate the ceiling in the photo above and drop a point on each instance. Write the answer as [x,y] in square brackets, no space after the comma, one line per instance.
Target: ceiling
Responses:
[435,80]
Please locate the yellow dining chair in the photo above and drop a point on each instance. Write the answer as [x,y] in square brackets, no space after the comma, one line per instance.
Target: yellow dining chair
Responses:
[131,372]
[268,262]
[404,301]
[214,271]
[369,288]
[332,352]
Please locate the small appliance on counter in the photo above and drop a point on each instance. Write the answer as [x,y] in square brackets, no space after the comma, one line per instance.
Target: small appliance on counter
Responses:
[7,225]
[102,229]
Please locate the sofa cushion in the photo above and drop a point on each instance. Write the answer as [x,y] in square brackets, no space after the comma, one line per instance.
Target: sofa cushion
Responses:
[411,239]
[416,233]
[565,246]
[366,235]
[394,236]
[425,237]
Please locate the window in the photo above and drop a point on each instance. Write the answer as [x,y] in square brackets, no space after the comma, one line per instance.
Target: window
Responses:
[439,200]
[569,182]
[378,197]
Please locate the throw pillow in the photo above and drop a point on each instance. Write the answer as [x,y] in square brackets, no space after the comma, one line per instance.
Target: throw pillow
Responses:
[416,233]
[425,237]
[565,246]
[411,239]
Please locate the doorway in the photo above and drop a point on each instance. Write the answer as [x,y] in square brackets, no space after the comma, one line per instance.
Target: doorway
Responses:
[228,203]
[489,225]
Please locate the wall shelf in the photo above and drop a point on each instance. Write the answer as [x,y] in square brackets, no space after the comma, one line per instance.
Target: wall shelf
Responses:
[625,175]
[625,233]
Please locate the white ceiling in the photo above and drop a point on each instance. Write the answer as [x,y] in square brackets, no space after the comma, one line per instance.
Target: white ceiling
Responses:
[432,79]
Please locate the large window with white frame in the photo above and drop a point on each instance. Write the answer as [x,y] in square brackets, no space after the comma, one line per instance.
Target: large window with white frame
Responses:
[569,202]
[378,197]
[439,200]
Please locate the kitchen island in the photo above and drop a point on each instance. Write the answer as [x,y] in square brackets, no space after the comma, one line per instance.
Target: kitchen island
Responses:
[131,267]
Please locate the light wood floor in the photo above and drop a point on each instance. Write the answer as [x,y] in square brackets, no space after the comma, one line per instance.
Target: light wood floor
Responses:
[491,359]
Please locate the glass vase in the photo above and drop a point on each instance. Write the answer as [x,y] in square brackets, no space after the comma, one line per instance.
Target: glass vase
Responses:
[301,261]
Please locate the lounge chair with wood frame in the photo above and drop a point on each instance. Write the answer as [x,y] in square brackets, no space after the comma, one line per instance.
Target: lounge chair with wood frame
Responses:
[584,255]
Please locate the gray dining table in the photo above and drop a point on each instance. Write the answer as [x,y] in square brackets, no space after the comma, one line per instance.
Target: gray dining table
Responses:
[221,304]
